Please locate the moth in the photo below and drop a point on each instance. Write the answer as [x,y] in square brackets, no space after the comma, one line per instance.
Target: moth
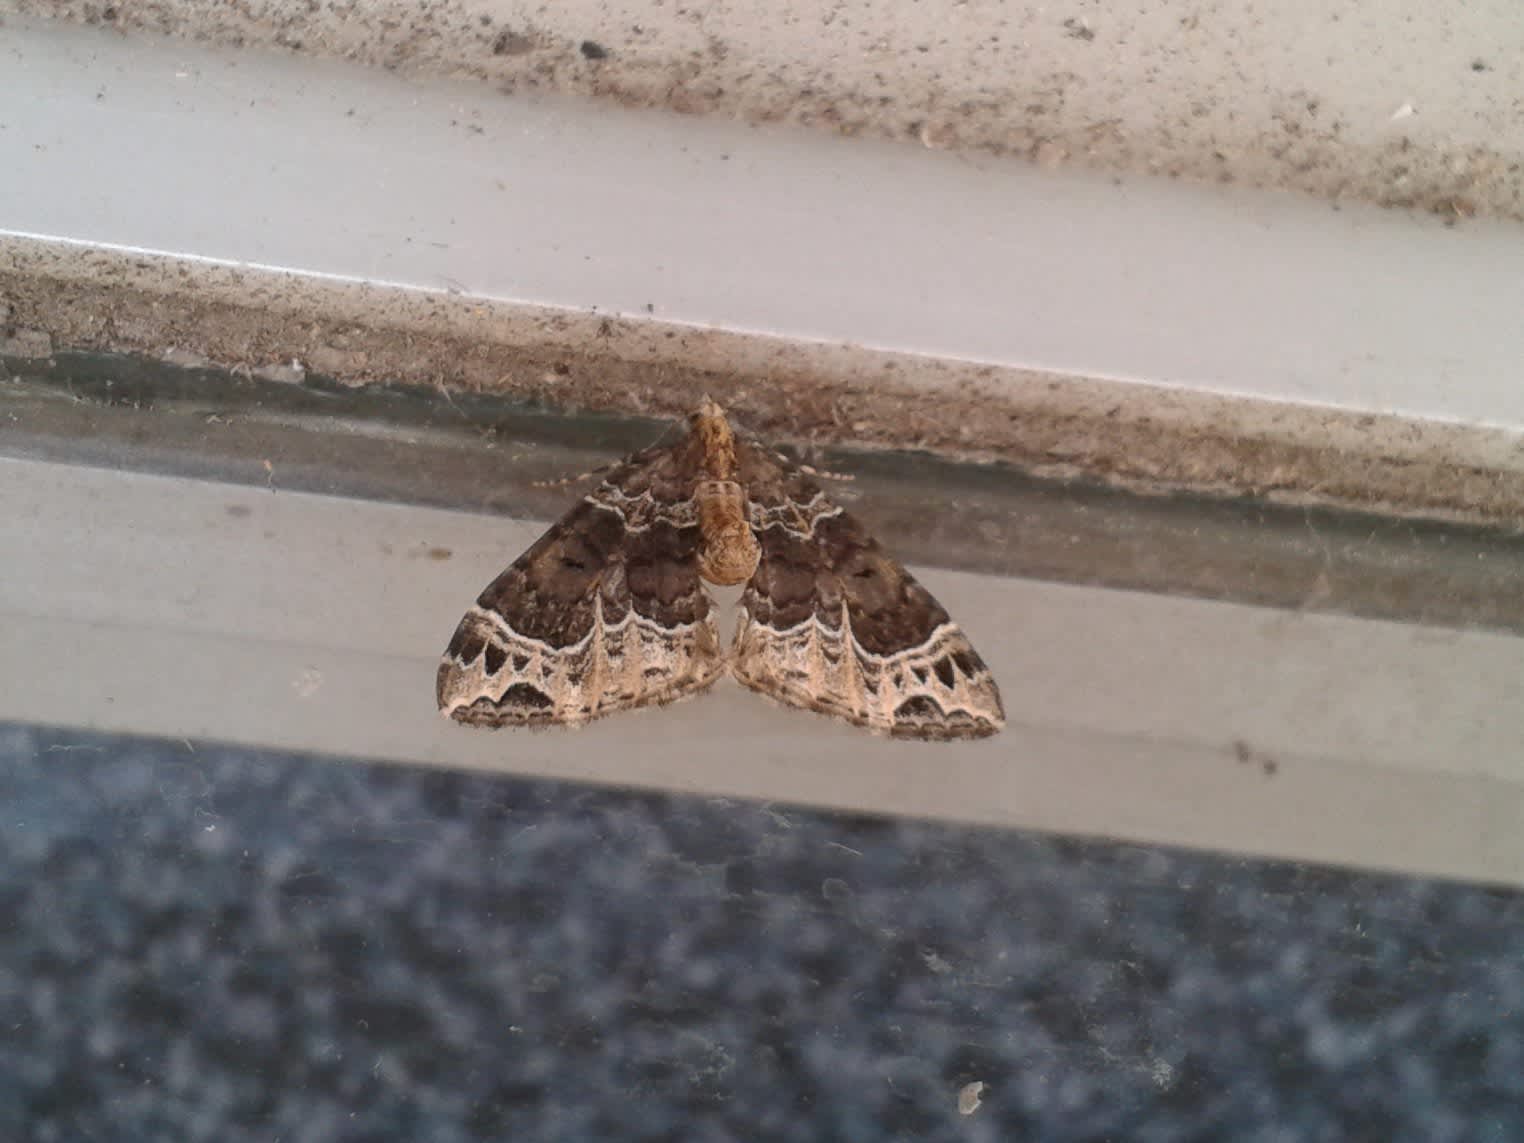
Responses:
[608,610]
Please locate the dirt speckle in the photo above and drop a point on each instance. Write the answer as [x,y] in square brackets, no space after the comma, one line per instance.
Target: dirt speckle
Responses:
[1246,755]
[936,962]
[970,1097]
[239,511]
[308,683]
[511,43]
[592,50]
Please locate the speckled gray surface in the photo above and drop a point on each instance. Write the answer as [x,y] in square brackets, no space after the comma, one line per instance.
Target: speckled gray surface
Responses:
[206,943]
[1394,101]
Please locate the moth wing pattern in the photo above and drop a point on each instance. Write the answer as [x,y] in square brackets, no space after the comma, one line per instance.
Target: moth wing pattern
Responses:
[605,612]
[831,623]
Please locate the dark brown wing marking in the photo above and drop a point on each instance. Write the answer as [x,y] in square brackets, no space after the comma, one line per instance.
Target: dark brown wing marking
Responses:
[605,612]
[832,624]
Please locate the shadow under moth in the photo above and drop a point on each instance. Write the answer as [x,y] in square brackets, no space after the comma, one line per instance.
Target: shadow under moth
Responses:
[608,611]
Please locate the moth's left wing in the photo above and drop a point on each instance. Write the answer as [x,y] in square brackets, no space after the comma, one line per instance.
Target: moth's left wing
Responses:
[605,612]
[832,624]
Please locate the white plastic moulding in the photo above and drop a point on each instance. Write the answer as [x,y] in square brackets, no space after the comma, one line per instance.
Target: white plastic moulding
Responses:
[164,606]
[331,170]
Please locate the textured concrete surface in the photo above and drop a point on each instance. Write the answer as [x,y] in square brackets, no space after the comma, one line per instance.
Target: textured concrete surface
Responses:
[215,945]
[1400,102]
[287,215]
[242,322]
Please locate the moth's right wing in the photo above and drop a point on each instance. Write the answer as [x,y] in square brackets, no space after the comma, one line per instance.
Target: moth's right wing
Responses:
[831,623]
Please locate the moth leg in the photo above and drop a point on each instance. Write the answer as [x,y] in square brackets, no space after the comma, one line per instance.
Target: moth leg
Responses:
[826,474]
[563,481]
[811,470]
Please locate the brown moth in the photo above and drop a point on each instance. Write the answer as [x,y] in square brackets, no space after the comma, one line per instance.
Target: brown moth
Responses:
[607,611]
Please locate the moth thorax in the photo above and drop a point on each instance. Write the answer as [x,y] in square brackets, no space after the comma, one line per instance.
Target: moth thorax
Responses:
[728,550]
[717,443]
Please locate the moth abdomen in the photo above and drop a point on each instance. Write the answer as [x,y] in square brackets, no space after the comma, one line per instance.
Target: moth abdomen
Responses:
[729,550]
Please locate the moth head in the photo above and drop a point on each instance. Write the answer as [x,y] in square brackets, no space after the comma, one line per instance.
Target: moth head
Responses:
[708,410]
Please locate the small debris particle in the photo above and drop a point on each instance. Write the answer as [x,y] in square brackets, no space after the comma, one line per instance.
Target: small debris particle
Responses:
[1079,29]
[440,553]
[969,1097]
[592,50]
[936,962]
[1161,1073]
[184,358]
[1247,754]
[1403,112]
[291,373]
[512,44]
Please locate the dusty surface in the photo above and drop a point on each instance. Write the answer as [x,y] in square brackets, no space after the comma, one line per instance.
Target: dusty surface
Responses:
[1144,438]
[1397,102]
[486,455]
